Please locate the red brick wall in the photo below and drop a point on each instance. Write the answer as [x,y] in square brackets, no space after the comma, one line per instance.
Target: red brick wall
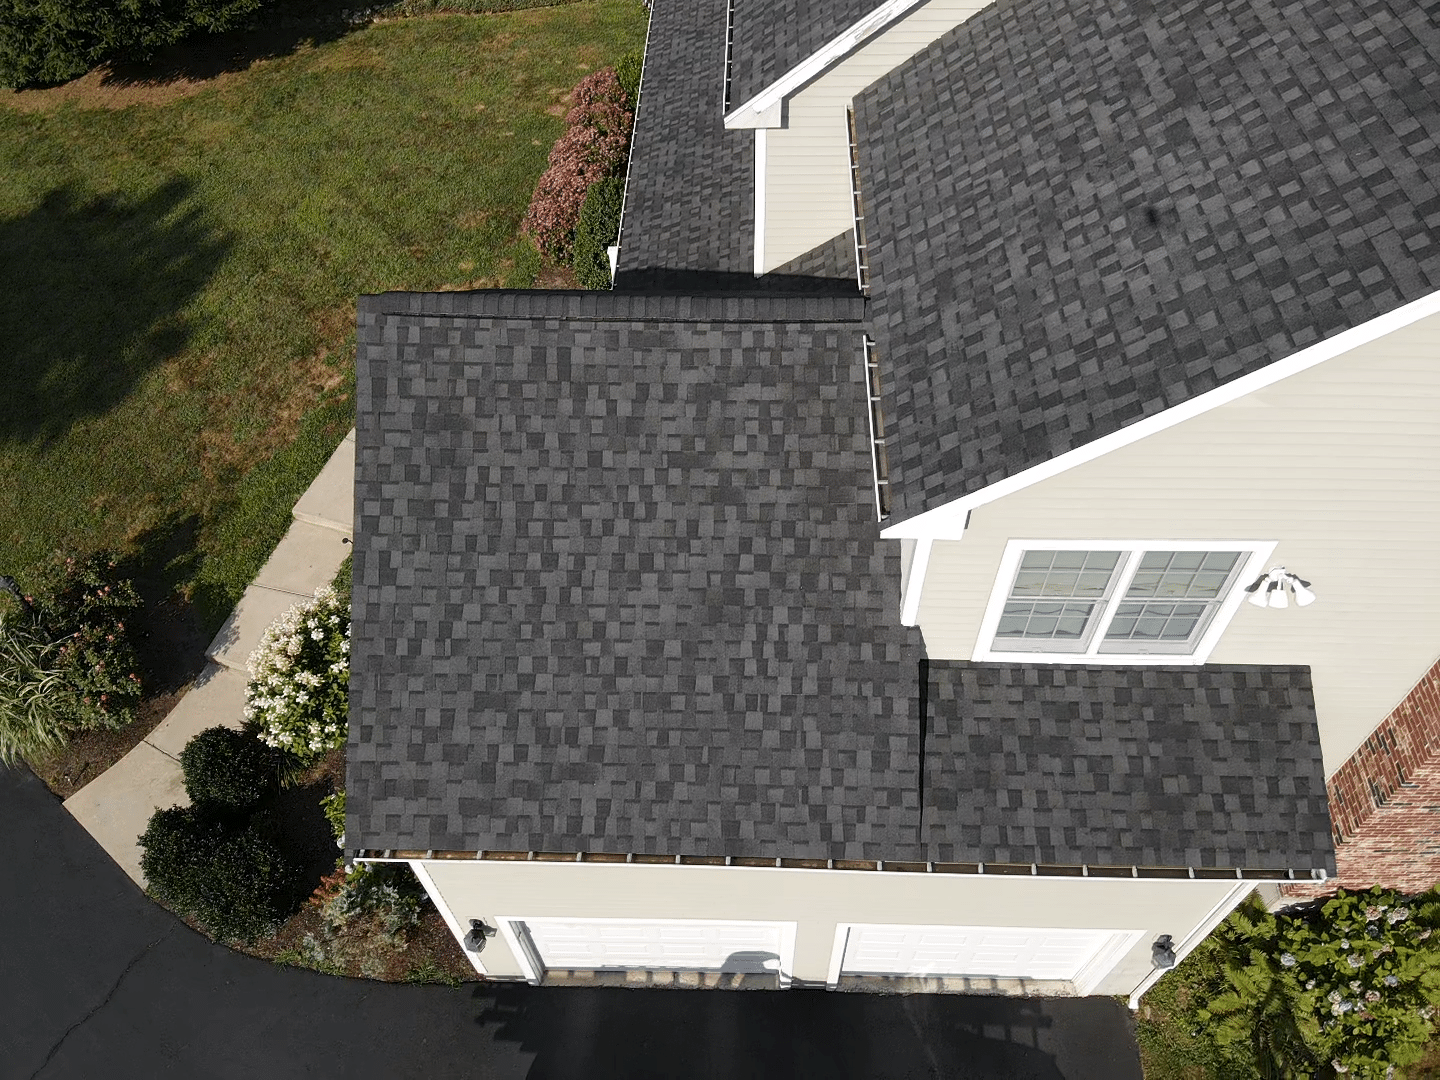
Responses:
[1385,801]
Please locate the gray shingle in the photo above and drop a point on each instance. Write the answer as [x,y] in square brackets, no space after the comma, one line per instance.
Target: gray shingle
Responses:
[773,36]
[1125,204]
[690,194]
[619,584]
[1152,766]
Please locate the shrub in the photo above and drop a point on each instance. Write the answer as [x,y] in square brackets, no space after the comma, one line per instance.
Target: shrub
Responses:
[627,72]
[1346,990]
[233,880]
[84,602]
[597,229]
[50,41]
[388,893]
[66,661]
[229,770]
[298,695]
[593,147]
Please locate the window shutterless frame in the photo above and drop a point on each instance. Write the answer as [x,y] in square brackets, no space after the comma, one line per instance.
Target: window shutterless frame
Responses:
[1093,648]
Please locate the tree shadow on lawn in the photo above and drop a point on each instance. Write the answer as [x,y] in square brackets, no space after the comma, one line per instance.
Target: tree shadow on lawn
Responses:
[277,29]
[93,294]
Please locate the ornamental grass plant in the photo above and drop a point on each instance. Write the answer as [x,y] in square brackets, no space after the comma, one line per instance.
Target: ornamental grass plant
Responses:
[297,699]
[67,664]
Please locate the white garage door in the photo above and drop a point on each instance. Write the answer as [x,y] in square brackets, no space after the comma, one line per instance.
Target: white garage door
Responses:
[997,952]
[627,944]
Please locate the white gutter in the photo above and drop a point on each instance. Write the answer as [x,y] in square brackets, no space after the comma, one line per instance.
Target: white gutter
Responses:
[751,112]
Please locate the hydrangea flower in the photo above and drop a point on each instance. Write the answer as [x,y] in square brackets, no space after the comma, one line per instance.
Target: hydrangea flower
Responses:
[298,694]
[1288,960]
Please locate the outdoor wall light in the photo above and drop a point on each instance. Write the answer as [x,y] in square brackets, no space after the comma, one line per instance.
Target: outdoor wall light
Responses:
[478,935]
[1162,952]
[1269,589]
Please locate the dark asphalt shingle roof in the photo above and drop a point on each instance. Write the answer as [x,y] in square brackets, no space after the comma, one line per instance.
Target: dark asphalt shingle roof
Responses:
[619,584]
[1083,212]
[1153,766]
[690,191]
[773,36]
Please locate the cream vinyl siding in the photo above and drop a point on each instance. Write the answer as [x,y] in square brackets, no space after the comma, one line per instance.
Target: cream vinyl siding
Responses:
[1340,464]
[807,174]
[820,901]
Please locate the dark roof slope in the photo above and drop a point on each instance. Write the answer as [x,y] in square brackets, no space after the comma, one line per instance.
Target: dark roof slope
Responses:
[773,36]
[1152,766]
[1083,212]
[690,191]
[618,581]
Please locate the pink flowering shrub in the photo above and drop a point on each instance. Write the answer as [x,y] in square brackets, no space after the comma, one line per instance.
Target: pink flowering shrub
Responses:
[593,147]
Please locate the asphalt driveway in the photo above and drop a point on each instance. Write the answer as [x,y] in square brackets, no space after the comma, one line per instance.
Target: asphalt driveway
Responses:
[95,980]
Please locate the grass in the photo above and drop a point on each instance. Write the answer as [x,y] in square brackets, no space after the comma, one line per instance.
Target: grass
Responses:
[1174,1043]
[177,292]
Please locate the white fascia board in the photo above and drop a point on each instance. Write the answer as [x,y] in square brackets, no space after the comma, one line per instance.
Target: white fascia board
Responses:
[948,521]
[761,109]
[759,201]
[915,583]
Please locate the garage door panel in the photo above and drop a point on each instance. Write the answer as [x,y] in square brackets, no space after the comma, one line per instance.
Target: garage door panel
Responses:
[960,951]
[601,945]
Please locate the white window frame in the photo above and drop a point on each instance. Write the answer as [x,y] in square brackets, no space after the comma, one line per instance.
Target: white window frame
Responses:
[1255,555]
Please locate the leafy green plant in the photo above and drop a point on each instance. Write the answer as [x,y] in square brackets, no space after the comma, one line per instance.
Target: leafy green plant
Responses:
[627,70]
[427,971]
[597,229]
[333,806]
[298,697]
[1347,989]
[386,892]
[84,602]
[49,41]
[229,770]
[232,879]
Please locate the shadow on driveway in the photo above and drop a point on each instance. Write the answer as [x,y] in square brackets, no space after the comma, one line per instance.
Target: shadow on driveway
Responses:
[95,980]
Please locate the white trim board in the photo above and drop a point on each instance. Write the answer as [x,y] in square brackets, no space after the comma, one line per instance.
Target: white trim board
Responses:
[1258,552]
[761,109]
[760,167]
[948,521]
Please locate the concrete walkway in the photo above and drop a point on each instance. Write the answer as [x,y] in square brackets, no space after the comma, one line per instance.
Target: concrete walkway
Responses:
[117,804]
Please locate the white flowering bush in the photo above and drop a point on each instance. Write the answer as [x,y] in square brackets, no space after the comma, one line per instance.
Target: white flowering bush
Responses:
[1345,990]
[298,697]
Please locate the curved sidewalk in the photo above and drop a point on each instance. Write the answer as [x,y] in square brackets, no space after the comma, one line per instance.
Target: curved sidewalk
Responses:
[115,807]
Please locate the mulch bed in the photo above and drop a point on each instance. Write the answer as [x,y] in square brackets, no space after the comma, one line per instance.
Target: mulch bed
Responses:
[171,648]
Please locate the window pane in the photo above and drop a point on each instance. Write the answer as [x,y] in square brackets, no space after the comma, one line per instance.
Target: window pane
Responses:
[1052,598]
[1181,575]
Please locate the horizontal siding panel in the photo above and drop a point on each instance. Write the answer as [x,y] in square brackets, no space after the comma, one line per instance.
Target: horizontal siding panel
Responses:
[1340,464]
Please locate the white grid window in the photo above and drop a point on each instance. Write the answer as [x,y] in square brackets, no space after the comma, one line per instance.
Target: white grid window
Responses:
[1157,602]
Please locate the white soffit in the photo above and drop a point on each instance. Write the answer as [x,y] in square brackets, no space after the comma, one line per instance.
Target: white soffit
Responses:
[762,109]
[948,521]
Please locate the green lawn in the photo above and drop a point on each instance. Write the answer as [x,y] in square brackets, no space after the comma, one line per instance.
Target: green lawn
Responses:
[177,281]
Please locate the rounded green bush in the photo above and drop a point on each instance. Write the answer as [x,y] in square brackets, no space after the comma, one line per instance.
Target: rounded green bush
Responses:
[597,229]
[229,769]
[234,881]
